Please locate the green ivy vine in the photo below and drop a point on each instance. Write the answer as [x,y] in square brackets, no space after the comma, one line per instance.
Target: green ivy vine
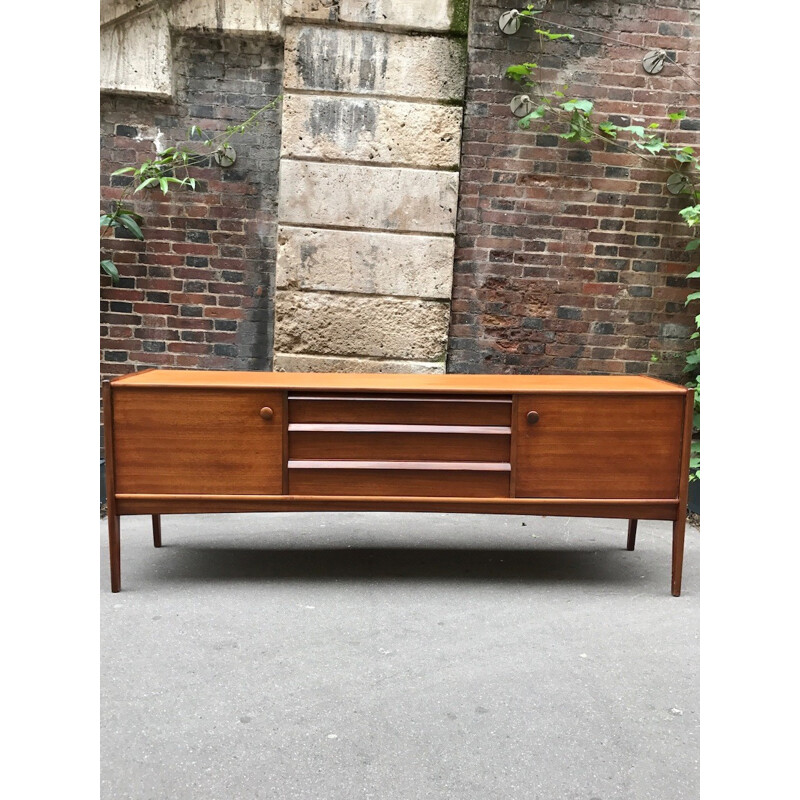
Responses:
[170,169]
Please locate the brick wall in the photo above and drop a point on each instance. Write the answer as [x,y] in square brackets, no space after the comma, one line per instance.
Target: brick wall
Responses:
[197,293]
[570,257]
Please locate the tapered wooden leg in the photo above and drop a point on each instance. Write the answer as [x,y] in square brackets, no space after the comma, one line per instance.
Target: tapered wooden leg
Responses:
[156,530]
[678,532]
[113,551]
[632,523]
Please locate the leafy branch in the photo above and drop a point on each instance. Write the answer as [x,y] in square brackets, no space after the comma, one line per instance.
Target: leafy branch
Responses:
[691,216]
[578,116]
[170,169]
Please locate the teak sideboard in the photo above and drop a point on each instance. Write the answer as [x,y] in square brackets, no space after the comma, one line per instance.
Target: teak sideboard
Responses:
[181,442]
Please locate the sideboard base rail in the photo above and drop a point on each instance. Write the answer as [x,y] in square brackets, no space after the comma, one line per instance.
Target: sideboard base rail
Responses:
[559,507]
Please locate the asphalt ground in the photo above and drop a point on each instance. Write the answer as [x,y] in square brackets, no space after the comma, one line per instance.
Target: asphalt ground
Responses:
[389,655]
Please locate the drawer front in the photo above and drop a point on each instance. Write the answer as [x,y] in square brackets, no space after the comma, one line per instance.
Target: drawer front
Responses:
[197,441]
[399,445]
[400,409]
[405,443]
[371,482]
[601,446]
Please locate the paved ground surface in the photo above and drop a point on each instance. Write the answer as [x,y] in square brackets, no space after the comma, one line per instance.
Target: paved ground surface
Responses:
[399,656]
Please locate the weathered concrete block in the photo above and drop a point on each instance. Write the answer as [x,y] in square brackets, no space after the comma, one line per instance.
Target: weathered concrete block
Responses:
[383,198]
[136,55]
[352,325]
[232,16]
[371,130]
[430,15]
[365,262]
[327,10]
[112,9]
[288,362]
[372,62]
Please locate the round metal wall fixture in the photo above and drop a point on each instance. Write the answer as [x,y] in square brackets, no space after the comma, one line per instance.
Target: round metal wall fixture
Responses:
[678,183]
[226,156]
[509,21]
[521,105]
[653,62]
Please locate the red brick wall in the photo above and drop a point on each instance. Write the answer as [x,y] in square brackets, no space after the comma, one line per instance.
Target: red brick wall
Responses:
[197,292]
[570,257]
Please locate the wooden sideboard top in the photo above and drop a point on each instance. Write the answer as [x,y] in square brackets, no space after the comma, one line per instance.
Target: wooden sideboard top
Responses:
[398,382]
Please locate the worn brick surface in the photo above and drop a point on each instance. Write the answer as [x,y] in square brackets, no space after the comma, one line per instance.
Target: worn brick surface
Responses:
[570,257]
[197,293]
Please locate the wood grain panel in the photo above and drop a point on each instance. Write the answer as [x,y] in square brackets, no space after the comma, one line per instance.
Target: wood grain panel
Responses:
[400,410]
[398,483]
[399,446]
[198,441]
[404,383]
[599,447]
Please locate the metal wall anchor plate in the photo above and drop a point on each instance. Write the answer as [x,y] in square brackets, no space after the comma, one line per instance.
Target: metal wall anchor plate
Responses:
[653,62]
[521,105]
[678,183]
[225,157]
[509,21]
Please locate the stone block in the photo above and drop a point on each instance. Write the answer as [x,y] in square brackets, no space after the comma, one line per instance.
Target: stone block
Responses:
[136,55]
[351,325]
[336,59]
[371,130]
[430,15]
[327,10]
[233,16]
[427,15]
[289,362]
[365,262]
[113,9]
[353,196]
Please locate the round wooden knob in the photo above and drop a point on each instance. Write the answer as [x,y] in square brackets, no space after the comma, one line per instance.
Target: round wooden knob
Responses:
[532,417]
[266,413]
